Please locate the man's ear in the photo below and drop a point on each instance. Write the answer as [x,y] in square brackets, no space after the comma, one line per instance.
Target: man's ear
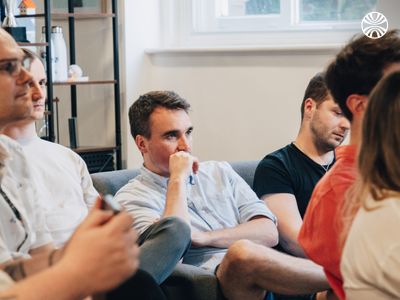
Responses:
[309,107]
[141,143]
[357,103]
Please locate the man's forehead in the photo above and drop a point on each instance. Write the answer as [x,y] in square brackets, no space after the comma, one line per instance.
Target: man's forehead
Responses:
[170,119]
[8,47]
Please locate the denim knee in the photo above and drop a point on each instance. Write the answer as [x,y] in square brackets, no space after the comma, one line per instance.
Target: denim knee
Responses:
[177,230]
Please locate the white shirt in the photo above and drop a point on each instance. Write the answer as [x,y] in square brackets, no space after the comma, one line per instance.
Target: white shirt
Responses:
[370,263]
[65,186]
[19,187]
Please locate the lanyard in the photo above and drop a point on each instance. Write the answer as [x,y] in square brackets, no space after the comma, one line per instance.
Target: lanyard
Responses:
[16,213]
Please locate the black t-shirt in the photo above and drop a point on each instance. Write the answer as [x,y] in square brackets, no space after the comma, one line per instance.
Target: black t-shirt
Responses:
[288,170]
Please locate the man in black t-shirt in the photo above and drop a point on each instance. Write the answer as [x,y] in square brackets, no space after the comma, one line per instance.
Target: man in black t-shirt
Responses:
[286,178]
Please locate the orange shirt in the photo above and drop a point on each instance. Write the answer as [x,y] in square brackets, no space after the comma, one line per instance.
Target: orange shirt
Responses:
[320,233]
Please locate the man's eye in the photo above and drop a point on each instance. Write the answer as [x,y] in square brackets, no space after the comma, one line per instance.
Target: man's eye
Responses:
[42,83]
[7,66]
[337,113]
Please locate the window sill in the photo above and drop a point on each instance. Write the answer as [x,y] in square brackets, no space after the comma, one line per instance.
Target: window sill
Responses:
[279,49]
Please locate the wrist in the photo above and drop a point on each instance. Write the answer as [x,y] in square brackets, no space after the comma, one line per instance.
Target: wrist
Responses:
[54,256]
[177,178]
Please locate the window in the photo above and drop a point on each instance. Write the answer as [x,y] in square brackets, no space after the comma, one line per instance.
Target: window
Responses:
[264,22]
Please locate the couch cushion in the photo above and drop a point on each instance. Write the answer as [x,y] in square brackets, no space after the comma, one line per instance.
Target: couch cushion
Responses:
[111,182]
[246,169]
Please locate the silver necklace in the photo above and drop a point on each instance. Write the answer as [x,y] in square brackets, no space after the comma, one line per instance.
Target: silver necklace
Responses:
[325,167]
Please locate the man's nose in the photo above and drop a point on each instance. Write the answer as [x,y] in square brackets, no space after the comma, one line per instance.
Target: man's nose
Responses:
[184,144]
[345,123]
[37,91]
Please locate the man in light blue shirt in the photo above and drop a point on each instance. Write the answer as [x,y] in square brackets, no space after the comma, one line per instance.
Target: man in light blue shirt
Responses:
[216,202]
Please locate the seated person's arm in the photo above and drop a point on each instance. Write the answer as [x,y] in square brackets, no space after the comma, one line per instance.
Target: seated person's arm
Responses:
[37,287]
[284,206]
[101,254]
[21,268]
[258,229]
[181,164]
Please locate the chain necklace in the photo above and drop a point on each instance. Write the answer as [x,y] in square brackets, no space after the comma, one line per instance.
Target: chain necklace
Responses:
[325,167]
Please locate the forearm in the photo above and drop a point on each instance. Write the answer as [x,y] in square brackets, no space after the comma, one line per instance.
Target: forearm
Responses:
[292,246]
[23,268]
[63,287]
[261,231]
[176,204]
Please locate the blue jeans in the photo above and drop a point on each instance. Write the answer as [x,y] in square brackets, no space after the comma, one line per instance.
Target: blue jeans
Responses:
[162,245]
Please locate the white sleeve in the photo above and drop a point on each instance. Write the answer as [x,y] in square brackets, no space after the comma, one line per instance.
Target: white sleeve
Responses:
[89,192]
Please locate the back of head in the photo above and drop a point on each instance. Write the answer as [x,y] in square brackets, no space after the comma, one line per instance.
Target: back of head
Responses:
[379,158]
[143,107]
[316,90]
[360,65]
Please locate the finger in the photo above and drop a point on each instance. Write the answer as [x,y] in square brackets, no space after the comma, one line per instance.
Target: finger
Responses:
[195,166]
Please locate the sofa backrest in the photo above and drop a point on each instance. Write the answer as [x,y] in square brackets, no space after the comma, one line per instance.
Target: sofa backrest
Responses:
[111,182]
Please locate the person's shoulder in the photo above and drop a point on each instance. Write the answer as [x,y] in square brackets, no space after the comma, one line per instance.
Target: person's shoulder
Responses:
[281,154]
[213,165]
[59,149]
[137,184]
[9,144]
[279,158]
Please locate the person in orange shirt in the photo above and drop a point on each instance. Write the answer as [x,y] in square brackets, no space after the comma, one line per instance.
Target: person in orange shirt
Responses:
[350,77]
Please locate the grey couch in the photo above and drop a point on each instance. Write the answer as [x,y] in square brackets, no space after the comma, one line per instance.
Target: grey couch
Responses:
[186,282]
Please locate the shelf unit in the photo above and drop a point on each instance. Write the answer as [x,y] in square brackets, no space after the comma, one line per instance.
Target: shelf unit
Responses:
[71,16]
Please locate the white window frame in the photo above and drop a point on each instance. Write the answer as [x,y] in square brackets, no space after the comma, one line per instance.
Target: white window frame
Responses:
[182,29]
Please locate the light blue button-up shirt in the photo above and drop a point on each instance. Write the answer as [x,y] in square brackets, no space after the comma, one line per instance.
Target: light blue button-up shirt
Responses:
[218,198]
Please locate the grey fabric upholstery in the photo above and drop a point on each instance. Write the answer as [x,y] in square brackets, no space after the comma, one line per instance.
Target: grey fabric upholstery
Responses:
[186,282]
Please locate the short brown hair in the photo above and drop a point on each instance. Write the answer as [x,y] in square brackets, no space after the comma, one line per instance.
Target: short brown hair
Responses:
[143,107]
[360,65]
[316,90]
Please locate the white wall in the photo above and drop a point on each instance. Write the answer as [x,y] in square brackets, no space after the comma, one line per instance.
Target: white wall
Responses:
[244,104]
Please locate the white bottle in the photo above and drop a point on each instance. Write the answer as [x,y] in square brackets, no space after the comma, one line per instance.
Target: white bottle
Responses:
[42,49]
[58,55]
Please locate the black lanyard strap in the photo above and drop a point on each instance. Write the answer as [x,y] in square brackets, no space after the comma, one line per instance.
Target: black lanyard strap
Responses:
[12,206]
[16,213]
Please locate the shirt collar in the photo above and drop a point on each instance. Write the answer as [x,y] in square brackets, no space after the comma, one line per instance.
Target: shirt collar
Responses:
[158,179]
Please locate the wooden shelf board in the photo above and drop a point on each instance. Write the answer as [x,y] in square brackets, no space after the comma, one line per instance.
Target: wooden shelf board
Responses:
[84,82]
[61,16]
[30,16]
[32,44]
[86,149]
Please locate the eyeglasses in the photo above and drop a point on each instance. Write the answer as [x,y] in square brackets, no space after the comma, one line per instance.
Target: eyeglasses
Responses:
[14,66]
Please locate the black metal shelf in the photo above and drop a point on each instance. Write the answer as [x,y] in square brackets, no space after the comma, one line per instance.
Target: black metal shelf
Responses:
[72,17]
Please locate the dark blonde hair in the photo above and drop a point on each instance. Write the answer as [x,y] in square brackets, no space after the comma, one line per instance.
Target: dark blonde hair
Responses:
[32,55]
[378,159]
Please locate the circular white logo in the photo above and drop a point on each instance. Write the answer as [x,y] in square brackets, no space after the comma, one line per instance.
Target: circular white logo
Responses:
[374,25]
